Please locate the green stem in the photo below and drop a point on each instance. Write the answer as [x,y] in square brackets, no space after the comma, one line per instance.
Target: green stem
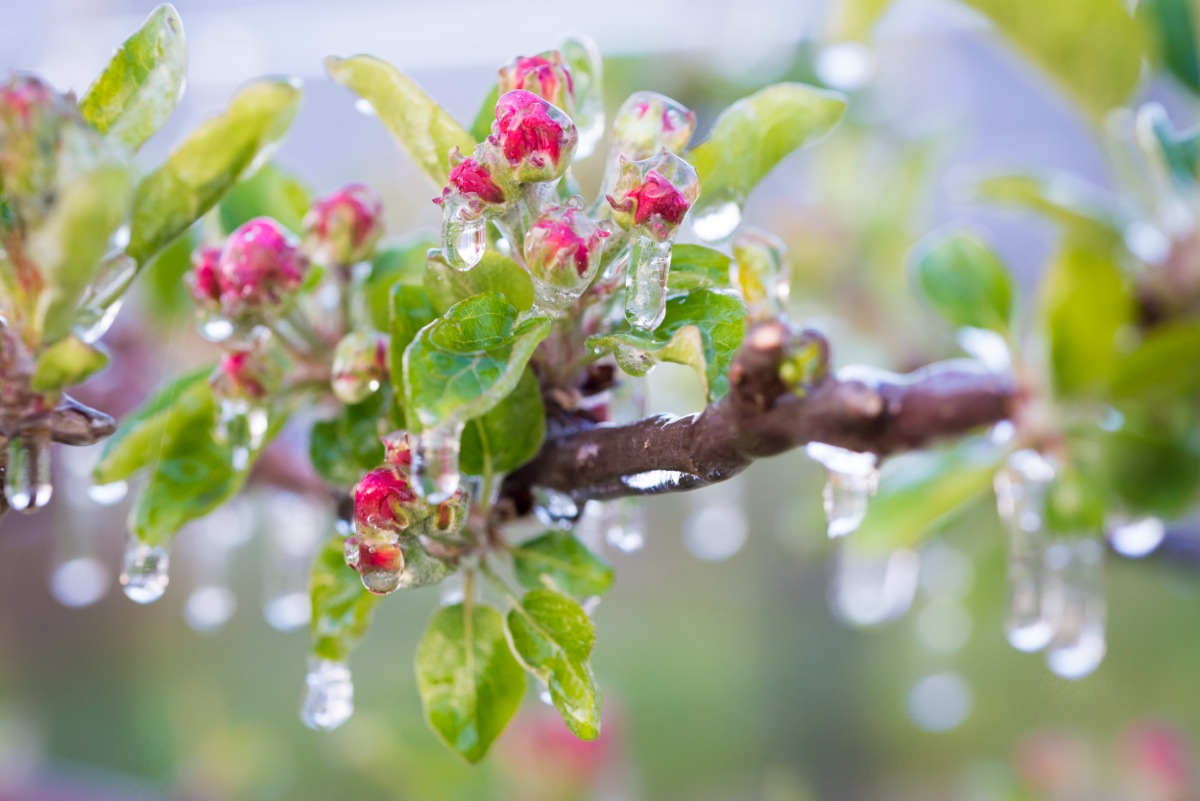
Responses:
[500,584]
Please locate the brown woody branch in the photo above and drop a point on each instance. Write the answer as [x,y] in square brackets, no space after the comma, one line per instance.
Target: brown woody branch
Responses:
[760,417]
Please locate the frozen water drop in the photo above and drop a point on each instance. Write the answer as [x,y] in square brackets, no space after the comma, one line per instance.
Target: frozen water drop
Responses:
[464,232]
[1021,487]
[716,224]
[108,494]
[545,697]
[872,587]
[625,524]
[646,282]
[1137,538]
[1075,570]
[350,552]
[144,574]
[209,607]
[554,508]
[435,462]
[79,582]
[329,694]
[214,327]
[363,106]
[852,479]
[243,425]
[102,300]
[27,484]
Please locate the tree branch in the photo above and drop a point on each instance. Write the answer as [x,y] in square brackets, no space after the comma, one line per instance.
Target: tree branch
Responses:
[759,417]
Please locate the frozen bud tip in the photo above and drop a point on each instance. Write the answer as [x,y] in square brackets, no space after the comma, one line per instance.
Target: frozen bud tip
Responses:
[537,138]
[245,374]
[473,178]
[545,75]
[259,268]
[563,246]
[383,500]
[648,121]
[654,195]
[344,227]
[398,448]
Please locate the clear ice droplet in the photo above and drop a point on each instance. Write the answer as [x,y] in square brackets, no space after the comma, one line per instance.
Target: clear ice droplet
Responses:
[852,479]
[243,426]
[102,301]
[329,694]
[625,524]
[716,224]
[1075,572]
[108,494]
[464,233]
[871,587]
[144,574]
[213,327]
[646,282]
[435,462]
[27,484]
[554,508]
[1021,487]
[1137,538]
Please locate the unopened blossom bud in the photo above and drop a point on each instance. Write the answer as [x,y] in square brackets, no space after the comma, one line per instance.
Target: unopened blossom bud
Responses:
[398,448]
[480,180]
[384,500]
[562,252]
[259,268]
[250,375]
[343,228]
[546,75]
[359,366]
[648,122]
[654,195]
[202,280]
[449,516]
[537,139]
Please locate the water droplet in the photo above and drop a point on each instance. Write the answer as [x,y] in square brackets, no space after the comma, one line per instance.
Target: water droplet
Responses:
[329,694]
[940,702]
[144,574]
[380,561]
[988,347]
[243,425]
[209,607]
[464,232]
[845,65]
[359,367]
[108,494]
[214,327]
[1136,538]
[871,587]
[544,696]
[715,532]
[363,106]
[1075,573]
[625,524]
[435,462]
[27,484]
[717,223]
[79,582]
[646,282]
[554,508]
[852,479]
[1021,487]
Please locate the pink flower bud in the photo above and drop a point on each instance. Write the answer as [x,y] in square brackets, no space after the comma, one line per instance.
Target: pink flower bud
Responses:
[537,138]
[383,500]
[202,280]
[246,374]
[343,227]
[474,178]
[562,252]
[654,195]
[259,268]
[359,366]
[545,75]
[398,449]
[647,122]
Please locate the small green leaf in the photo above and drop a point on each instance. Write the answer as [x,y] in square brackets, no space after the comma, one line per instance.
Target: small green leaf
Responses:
[463,364]
[554,637]
[1178,152]
[420,569]
[345,447]
[143,81]
[494,273]
[1173,24]
[1162,366]
[426,130]
[411,311]
[66,363]
[756,133]
[1085,305]
[470,683]
[162,279]
[964,281]
[509,435]
[341,606]
[1088,213]
[1152,462]
[697,267]
[702,330]
[558,558]
[918,491]
[209,163]
[1092,48]
[270,192]
[481,128]
[397,263]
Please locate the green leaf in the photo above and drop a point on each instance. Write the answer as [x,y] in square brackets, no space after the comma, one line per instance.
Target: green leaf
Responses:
[1092,48]
[345,447]
[756,133]
[341,606]
[1088,213]
[1178,152]
[66,363]
[921,490]
[162,279]
[143,81]
[463,364]
[964,281]
[209,163]
[420,569]
[1152,462]
[1162,366]
[470,683]
[481,128]
[1085,305]
[140,435]
[411,311]
[559,559]
[697,267]
[702,330]
[854,19]
[426,130]
[1173,24]
[554,637]
[494,273]
[270,192]
[398,263]
[69,245]
[509,435]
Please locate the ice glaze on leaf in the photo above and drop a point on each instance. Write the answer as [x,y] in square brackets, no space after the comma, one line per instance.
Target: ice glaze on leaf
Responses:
[346,447]
[697,267]
[562,560]
[66,363]
[509,435]
[494,273]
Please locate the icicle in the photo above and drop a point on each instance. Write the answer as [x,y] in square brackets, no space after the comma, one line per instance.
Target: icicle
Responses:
[144,571]
[102,301]
[554,508]
[872,587]
[464,232]
[243,425]
[717,222]
[329,694]
[27,484]
[213,326]
[646,282]
[625,528]
[1075,571]
[293,532]
[435,462]
[1021,487]
[852,479]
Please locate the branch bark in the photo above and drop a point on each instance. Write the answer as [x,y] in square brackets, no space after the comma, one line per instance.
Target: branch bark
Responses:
[761,417]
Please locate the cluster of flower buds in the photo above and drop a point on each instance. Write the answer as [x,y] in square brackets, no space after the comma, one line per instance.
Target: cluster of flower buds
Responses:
[562,251]
[343,228]
[390,517]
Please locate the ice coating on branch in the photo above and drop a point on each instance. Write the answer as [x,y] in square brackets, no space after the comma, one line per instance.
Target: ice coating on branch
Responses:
[1075,577]
[344,227]
[852,479]
[554,508]
[359,366]
[329,694]
[562,251]
[762,273]
[545,75]
[1021,486]
[435,462]
[144,575]
[27,481]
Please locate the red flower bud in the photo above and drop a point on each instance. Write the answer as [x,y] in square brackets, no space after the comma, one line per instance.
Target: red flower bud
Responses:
[545,75]
[259,267]
[537,138]
[343,227]
[398,449]
[654,195]
[562,252]
[202,280]
[243,374]
[647,122]
[382,501]
[473,178]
